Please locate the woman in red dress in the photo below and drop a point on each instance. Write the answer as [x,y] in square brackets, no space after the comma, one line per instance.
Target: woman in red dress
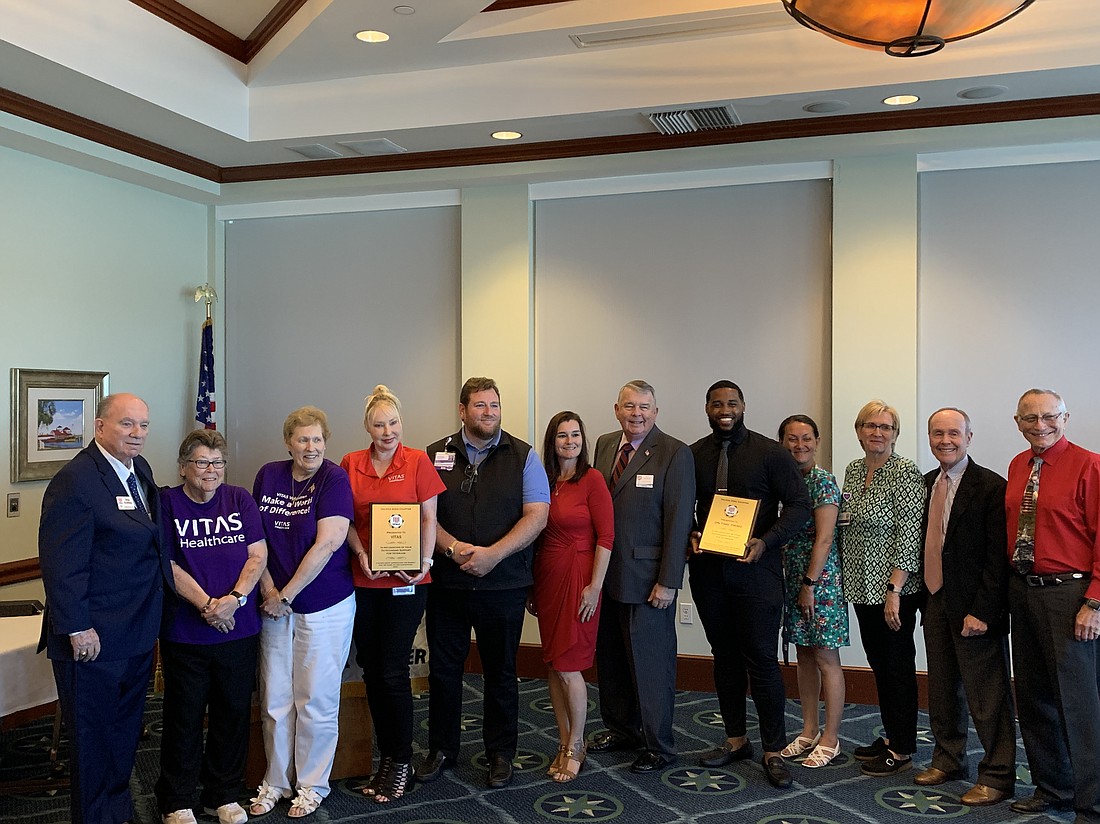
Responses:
[570,566]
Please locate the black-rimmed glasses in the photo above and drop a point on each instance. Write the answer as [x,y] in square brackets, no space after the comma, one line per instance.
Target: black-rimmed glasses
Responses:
[202,463]
[471,478]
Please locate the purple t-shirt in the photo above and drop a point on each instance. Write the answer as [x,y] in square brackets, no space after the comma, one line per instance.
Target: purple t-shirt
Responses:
[290,511]
[209,541]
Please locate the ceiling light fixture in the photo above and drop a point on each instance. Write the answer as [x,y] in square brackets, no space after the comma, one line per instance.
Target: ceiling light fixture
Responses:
[903,28]
[901,100]
[372,36]
[404,10]
[505,135]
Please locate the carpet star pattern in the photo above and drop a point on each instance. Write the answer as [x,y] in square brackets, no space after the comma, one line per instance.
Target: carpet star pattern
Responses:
[703,780]
[578,806]
[921,802]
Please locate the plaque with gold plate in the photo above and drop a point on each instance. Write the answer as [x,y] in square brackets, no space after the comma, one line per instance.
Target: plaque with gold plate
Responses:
[395,538]
[729,525]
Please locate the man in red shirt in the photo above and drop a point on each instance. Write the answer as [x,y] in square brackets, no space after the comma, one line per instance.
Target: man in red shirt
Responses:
[1052,507]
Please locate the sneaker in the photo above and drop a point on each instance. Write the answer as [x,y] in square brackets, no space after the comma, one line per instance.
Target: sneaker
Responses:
[886,764]
[871,751]
[232,813]
[180,817]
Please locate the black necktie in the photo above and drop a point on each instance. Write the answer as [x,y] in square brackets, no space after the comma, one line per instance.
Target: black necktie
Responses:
[132,485]
[721,481]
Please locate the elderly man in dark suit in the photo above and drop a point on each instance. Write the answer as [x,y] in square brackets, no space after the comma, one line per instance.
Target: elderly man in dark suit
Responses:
[966,619]
[104,573]
[653,490]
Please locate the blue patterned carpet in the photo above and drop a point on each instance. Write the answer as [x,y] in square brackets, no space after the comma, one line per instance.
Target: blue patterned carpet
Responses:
[606,790]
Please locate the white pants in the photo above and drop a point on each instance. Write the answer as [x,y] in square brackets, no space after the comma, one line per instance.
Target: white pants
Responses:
[302,659]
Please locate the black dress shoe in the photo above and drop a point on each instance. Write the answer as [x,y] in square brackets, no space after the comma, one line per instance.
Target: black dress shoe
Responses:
[725,754]
[433,766]
[1038,804]
[608,741]
[649,761]
[871,751]
[776,771]
[500,771]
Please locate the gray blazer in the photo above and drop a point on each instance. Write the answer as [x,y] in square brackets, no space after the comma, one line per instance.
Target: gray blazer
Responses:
[652,522]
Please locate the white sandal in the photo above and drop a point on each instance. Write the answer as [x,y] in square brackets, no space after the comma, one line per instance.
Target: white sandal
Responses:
[822,756]
[799,746]
[305,803]
[266,799]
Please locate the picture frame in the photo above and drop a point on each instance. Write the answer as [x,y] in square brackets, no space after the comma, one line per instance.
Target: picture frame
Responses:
[52,418]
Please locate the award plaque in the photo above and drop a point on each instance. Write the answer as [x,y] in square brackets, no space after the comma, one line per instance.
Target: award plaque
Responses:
[395,538]
[729,525]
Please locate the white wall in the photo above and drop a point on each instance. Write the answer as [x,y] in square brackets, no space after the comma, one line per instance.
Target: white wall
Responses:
[97,275]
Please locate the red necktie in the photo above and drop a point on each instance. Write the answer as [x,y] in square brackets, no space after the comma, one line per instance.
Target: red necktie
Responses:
[620,465]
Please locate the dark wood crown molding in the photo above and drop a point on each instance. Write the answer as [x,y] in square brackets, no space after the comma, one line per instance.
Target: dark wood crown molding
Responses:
[278,17]
[29,109]
[505,5]
[1004,112]
[196,25]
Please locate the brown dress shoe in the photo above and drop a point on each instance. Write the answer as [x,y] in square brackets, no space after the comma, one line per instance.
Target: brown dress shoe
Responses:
[932,776]
[980,795]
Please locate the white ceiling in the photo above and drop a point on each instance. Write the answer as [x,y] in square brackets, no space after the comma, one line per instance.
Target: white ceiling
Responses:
[450,75]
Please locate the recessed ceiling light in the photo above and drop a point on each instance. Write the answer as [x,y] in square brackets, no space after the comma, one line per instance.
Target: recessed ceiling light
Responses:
[404,10]
[507,135]
[372,36]
[982,92]
[825,107]
[901,100]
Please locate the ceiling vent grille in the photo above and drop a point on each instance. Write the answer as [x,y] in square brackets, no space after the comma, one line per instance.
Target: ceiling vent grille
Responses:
[686,121]
[376,146]
[315,151]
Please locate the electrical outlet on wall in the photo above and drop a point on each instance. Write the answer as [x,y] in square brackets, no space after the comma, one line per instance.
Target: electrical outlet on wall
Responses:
[13,505]
[686,615]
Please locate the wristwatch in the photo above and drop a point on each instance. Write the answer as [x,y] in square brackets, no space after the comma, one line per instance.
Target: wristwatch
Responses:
[449,552]
[1092,603]
[242,599]
[891,588]
[807,581]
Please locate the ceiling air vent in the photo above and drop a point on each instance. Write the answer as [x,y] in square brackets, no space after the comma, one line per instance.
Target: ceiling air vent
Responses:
[315,151]
[685,121]
[376,146]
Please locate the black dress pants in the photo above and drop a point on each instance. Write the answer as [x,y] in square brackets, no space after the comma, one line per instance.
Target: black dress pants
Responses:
[893,659]
[215,680]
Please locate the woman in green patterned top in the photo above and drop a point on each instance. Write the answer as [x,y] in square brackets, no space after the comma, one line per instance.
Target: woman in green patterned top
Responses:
[882,503]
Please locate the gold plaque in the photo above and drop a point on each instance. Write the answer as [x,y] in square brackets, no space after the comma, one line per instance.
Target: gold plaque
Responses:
[395,538]
[729,525]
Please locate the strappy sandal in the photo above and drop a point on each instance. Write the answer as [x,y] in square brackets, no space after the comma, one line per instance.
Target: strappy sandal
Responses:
[379,779]
[564,774]
[266,799]
[800,745]
[305,803]
[555,765]
[822,756]
[396,786]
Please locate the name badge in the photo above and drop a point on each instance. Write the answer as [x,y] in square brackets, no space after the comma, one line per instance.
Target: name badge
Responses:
[403,590]
[445,461]
[844,518]
[125,502]
[643,481]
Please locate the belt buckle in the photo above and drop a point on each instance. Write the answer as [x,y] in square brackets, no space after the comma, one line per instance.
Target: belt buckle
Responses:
[1035,580]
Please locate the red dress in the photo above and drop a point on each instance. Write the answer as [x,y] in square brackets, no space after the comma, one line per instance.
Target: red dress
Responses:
[581,518]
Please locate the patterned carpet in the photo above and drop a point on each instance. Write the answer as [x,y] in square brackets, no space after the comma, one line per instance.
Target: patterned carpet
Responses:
[606,790]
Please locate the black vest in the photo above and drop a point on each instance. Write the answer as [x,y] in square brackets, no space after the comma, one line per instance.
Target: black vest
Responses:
[485,514]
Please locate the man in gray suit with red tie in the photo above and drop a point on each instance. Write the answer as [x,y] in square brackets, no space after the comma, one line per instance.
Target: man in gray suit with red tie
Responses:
[652,481]
[966,617]
[104,573]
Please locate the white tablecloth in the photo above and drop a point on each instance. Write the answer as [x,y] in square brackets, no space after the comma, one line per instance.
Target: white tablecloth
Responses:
[26,679]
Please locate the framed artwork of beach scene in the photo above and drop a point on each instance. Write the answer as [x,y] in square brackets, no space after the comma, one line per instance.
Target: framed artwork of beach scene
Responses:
[52,418]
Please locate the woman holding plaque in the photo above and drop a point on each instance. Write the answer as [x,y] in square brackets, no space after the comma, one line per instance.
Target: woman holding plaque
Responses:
[816,618]
[389,604]
[881,506]
[570,565]
[308,607]
[216,543]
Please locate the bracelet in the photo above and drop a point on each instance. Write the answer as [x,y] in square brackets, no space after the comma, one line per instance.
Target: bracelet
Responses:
[429,561]
[206,606]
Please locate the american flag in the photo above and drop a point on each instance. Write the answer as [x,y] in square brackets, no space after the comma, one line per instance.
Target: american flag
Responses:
[204,402]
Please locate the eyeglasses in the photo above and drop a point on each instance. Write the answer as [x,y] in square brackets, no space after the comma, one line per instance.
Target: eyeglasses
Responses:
[868,426]
[471,478]
[1047,419]
[202,463]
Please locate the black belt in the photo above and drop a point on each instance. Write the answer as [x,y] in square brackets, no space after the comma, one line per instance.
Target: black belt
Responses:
[1054,579]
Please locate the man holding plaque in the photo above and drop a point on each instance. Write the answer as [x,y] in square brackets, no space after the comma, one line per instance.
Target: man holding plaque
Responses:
[738,589]
[652,490]
[495,505]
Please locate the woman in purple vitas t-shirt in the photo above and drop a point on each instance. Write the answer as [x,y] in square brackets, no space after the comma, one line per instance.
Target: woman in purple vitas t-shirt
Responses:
[308,609]
[217,548]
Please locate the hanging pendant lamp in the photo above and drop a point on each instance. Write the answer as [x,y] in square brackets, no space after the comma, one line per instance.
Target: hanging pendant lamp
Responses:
[903,28]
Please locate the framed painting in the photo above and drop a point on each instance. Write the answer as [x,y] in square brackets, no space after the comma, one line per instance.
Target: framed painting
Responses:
[52,418]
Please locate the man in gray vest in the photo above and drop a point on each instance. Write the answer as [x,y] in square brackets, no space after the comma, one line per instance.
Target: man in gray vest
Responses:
[496,504]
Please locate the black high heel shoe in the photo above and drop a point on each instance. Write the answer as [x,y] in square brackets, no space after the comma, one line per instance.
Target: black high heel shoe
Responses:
[400,775]
[380,779]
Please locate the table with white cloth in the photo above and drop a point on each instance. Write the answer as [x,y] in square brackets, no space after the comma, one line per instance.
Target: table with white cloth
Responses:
[26,678]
